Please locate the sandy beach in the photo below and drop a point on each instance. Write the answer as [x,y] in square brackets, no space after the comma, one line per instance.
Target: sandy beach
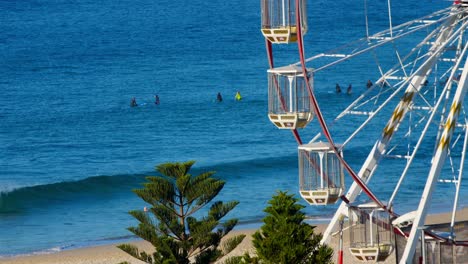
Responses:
[108,254]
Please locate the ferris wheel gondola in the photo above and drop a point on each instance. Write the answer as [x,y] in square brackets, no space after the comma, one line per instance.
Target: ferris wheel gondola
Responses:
[321,176]
[371,232]
[279,23]
[443,43]
[288,104]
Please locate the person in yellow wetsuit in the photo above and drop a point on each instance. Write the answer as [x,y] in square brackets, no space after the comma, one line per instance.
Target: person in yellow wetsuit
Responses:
[238,96]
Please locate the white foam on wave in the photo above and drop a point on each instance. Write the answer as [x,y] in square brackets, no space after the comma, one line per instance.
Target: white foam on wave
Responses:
[51,250]
[9,187]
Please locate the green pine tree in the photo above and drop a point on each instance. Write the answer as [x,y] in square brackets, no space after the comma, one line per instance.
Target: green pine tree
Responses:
[285,238]
[169,225]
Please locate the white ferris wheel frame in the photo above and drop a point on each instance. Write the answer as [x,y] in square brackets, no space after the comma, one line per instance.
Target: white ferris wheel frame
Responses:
[447,33]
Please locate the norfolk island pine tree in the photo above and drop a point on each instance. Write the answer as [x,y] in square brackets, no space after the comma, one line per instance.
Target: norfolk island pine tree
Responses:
[169,225]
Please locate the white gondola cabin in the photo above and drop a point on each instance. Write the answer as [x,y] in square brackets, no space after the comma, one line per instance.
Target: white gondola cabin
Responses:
[289,105]
[371,233]
[321,175]
[279,20]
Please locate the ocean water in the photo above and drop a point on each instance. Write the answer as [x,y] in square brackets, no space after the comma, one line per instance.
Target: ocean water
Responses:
[72,148]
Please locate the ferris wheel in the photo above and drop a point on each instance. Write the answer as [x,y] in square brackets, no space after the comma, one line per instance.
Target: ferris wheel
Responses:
[417,105]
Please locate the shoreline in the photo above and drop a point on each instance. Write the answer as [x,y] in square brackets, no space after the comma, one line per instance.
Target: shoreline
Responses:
[109,253]
[105,254]
[240,227]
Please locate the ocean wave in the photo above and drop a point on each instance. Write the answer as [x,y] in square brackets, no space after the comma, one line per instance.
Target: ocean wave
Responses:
[16,199]
[13,200]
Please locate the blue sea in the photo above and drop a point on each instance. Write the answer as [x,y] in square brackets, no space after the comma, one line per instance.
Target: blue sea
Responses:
[72,149]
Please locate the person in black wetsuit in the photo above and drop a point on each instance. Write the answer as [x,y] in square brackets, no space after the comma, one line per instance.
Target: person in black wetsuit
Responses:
[219,98]
[350,87]
[156,99]
[338,88]
[133,102]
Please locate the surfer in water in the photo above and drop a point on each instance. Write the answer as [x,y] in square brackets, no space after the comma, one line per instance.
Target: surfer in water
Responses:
[219,98]
[350,87]
[133,102]
[156,99]
[238,96]
[338,88]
